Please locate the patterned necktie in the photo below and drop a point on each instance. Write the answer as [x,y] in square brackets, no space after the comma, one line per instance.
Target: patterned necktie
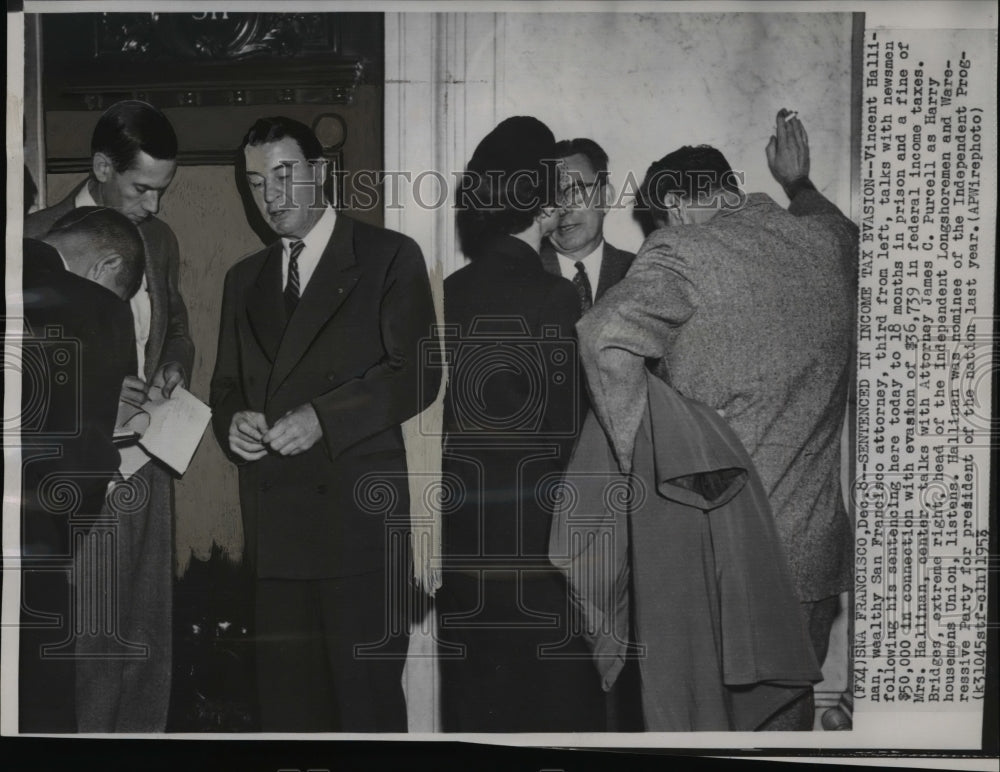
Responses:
[582,284]
[292,285]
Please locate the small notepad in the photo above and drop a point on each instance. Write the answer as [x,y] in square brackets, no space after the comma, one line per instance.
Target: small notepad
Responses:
[176,426]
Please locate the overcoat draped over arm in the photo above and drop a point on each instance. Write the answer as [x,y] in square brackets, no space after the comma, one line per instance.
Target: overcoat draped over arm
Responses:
[717,627]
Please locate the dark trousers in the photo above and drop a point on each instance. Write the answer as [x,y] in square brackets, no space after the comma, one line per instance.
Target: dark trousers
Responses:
[46,667]
[46,694]
[521,668]
[330,655]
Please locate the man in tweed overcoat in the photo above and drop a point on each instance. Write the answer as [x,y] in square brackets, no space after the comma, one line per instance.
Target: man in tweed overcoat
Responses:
[749,308]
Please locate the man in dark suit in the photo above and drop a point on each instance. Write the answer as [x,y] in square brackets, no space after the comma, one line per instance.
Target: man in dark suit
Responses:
[77,350]
[134,152]
[318,365]
[577,250]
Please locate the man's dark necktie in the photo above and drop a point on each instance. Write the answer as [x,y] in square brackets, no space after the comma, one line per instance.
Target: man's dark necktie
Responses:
[292,285]
[582,284]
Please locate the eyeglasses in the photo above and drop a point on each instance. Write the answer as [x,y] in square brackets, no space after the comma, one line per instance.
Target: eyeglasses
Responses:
[578,194]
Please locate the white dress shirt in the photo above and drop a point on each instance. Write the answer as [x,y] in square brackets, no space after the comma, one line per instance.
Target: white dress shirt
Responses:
[142,309]
[591,264]
[315,242]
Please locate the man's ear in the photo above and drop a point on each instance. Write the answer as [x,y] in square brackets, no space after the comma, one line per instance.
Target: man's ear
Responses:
[106,268]
[103,167]
[677,210]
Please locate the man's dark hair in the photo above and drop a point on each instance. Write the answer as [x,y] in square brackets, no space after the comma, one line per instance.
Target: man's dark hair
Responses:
[111,231]
[586,147]
[128,127]
[698,174]
[276,128]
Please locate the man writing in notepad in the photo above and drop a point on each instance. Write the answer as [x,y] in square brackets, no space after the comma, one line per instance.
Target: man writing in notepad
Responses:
[134,152]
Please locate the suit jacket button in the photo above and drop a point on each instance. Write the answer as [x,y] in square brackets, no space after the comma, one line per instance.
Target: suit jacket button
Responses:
[321,489]
[331,376]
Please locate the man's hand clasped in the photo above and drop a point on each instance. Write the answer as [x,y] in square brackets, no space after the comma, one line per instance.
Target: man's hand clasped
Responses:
[295,432]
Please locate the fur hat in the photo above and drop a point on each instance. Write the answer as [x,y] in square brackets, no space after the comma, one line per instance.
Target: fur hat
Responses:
[516,144]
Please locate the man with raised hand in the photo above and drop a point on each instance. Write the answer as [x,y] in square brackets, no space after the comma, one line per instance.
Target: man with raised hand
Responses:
[750,309]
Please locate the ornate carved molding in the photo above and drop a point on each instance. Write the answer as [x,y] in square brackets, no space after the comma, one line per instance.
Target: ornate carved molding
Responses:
[220,58]
[214,36]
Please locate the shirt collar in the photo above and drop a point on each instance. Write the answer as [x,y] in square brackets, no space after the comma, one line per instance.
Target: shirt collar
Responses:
[320,233]
[83,197]
[590,260]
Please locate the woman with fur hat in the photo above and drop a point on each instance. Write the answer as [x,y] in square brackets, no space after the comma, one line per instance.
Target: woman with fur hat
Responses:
[510,661]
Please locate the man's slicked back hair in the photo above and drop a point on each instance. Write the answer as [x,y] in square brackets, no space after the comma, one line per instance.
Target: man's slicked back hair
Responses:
[586,147]
[276,128]
[128,127]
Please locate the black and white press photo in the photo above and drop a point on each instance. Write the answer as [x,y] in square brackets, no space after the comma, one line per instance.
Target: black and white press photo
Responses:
[563,374]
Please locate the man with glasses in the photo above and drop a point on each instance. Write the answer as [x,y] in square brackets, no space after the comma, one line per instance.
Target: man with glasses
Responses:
[577,250]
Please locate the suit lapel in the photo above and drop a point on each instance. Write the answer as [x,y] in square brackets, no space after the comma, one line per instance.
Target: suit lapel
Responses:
[265,306]
[614,266]
[335,276]
[156,283]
